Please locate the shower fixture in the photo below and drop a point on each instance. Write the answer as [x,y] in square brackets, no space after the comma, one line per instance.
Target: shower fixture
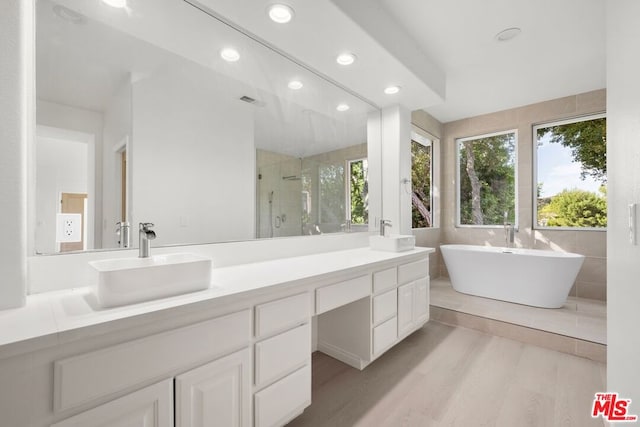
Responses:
[271,214]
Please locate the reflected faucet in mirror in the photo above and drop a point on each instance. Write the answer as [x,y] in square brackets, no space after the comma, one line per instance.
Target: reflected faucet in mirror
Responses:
[123,233]
[384,223]
[146,234]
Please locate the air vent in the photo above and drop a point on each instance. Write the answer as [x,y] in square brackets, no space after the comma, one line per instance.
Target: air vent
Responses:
[252,101]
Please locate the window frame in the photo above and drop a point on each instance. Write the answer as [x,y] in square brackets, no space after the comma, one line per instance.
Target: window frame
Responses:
[534,170]
[458,181]
[424,138]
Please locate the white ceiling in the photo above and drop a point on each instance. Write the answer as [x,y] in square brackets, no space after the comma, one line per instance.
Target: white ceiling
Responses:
[560,52]
[442,53]
[82,65]
[420,44]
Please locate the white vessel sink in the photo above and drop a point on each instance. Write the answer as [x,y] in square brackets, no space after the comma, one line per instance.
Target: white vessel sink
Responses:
[392,243]
[130,280]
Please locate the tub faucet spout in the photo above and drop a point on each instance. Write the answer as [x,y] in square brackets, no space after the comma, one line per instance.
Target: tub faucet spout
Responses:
[509,234]
[509,231]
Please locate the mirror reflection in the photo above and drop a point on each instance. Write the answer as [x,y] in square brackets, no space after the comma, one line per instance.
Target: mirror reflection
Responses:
[136,123]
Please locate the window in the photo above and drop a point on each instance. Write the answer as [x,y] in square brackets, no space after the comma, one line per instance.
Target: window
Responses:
[331,192]
[571,174]
[421,181]
[357,191]
[487,179]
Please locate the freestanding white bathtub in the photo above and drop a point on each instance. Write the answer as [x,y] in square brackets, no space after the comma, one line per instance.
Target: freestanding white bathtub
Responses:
[524,276]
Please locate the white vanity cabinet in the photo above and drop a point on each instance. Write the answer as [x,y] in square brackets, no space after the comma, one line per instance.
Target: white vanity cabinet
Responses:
[413,305]
[413,297]
[216,394]
[242,360]
[405,308]
[396,304]
[149,407]
[282,369]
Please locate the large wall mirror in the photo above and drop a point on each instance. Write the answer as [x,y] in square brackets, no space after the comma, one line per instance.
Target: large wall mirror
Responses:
[140,119]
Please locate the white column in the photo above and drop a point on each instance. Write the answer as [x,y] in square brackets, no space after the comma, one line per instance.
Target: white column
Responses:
[623,159]
[396,168]
[16,109]
[374,159]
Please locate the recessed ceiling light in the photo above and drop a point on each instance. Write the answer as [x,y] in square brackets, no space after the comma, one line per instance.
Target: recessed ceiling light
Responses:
[280,13]
[392,90]
[229,54]
[120,4]
[346,58]
[508,34]
[295,84]
[342,107]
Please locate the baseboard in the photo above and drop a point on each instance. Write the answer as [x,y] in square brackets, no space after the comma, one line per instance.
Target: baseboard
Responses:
[342,355]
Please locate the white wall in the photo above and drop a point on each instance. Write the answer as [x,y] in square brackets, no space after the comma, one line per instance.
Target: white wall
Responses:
[193,161]
[16,130]
[623,161]
[117,128]
[396,167]
[61,168]
[88,122]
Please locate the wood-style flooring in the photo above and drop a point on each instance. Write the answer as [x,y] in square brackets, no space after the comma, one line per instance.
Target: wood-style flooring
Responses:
[453,376]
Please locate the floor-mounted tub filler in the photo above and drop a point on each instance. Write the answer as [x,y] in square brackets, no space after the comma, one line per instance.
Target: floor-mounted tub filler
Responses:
[524,276]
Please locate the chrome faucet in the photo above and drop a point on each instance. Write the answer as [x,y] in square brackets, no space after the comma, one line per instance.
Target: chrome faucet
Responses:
[509,232]
[146,234]
[384,223]
[124,234]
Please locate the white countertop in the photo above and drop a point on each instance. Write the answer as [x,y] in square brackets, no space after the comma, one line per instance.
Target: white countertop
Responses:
[52,318]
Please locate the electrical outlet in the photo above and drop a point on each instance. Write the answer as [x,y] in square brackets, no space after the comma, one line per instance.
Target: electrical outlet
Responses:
[68,228]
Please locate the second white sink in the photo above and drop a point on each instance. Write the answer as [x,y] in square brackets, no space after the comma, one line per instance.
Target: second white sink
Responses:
[392,243]
[130,280]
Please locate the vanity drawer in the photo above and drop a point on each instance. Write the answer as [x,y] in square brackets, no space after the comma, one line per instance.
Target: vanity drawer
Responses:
[282,354]
[83,378]
[279,403]
[333,296]
[385,279]
[282,314]
[384,335]
[413,270]
[385,306]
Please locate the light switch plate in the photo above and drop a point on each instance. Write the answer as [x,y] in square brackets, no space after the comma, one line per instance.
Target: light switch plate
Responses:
[68,228]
